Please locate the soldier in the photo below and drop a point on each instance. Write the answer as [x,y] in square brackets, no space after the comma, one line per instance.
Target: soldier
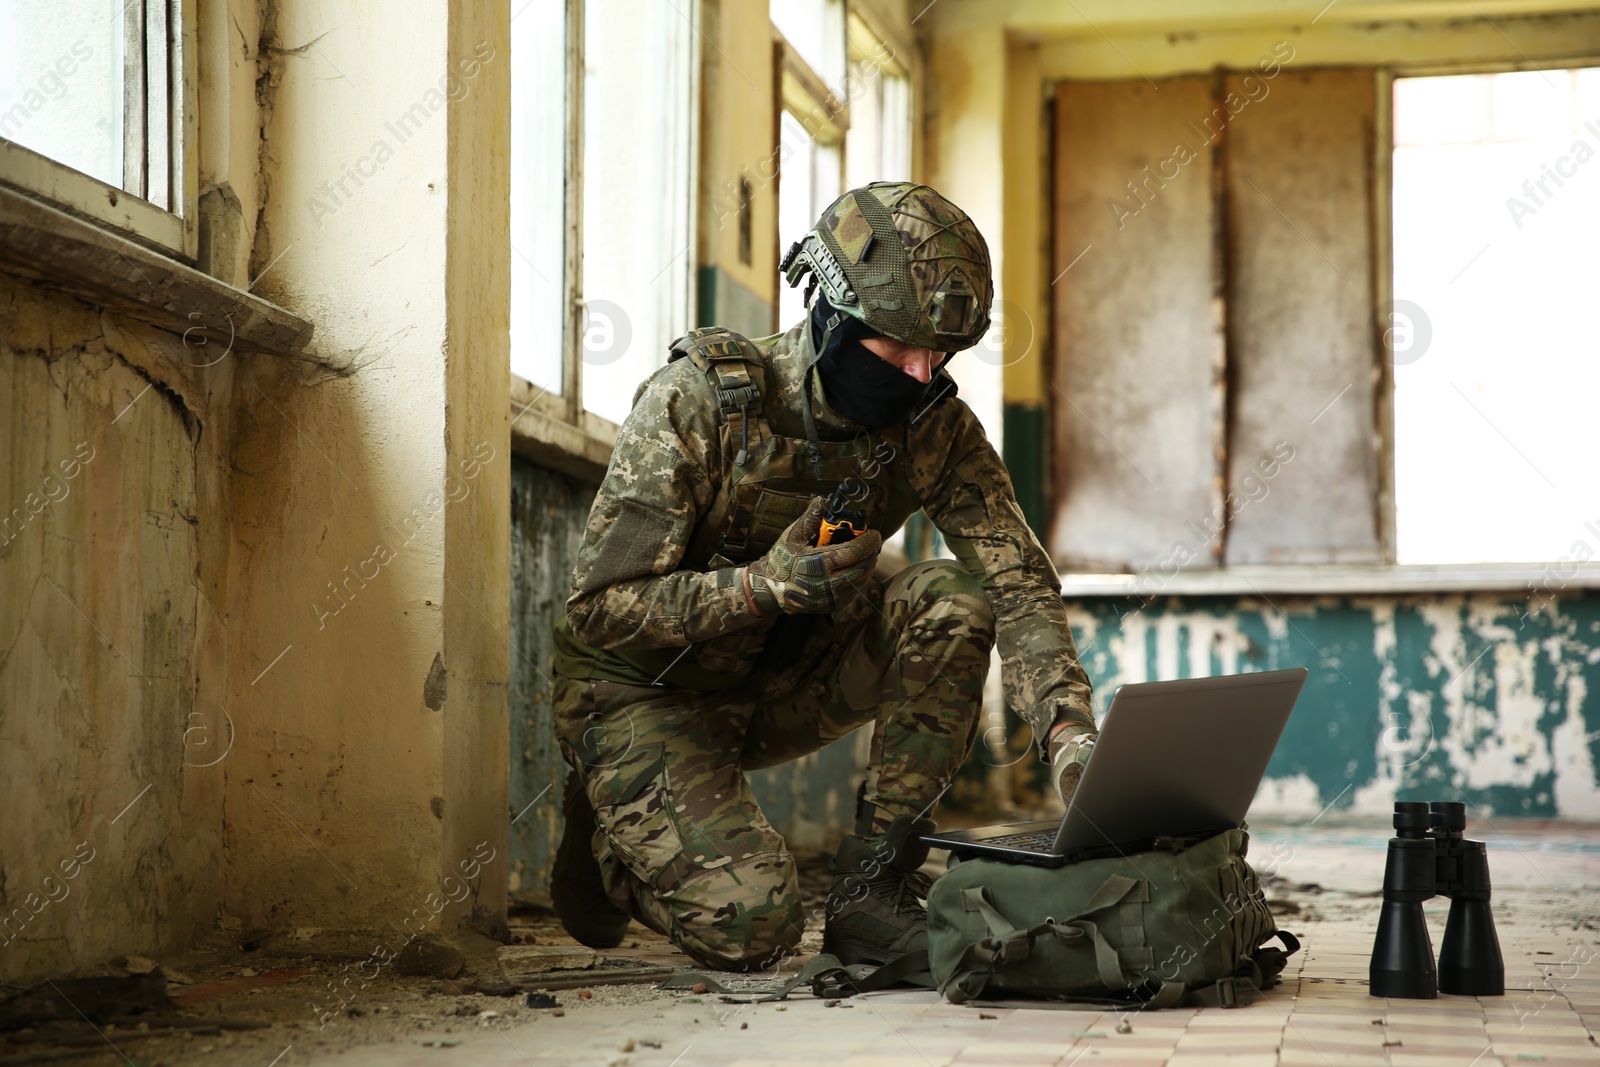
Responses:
[709,634]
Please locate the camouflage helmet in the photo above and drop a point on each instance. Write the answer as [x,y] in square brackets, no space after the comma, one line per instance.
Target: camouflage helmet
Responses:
[902,259]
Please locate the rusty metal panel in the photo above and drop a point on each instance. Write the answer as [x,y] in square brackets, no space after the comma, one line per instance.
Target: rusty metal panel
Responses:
[1302,350]
[1137,330]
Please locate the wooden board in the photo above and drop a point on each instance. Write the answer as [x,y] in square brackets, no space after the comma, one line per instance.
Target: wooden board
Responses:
[1137,328]
[1303,358]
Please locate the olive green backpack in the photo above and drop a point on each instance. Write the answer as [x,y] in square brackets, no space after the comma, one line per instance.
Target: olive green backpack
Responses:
[1182,924]
[1172,926]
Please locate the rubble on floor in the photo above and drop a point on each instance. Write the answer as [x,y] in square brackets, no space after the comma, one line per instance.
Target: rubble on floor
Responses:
[285,998]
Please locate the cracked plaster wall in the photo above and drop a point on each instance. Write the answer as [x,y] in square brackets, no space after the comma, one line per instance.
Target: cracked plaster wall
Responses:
[342,712]
[368,581]
[109,843]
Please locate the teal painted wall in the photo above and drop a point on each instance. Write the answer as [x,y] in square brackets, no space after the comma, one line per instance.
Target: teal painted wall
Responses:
[722,301]
[548,512]
[1023,447]
[1461,696]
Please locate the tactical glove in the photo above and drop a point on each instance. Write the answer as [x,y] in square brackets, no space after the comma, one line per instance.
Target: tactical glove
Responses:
[797,578]
[1069,752]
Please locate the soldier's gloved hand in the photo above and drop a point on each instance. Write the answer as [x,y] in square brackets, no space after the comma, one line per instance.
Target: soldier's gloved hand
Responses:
[797,578]
[1069,749]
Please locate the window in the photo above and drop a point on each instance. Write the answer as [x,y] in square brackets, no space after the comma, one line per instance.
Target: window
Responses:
[808,182]
[91,106]
[602,266]
[1229,422]
[1352,361]
[812,127]
[539,164]
[1496,201]
[815,31]
[878,143]
[638,187]
[842,125]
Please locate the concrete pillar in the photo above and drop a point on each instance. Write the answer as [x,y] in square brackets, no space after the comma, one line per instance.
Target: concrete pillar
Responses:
[367,591]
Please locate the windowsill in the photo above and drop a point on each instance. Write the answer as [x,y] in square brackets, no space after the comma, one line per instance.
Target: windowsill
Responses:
[58,250]
[1340,580]
[543,430]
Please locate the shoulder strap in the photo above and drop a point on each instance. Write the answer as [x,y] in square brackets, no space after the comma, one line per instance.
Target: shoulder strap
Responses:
[734,364]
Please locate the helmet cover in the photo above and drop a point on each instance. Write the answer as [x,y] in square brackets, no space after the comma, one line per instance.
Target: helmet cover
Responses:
[905,261]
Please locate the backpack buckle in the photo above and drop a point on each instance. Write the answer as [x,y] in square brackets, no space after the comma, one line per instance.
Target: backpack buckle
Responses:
[737,397]
[1227,993]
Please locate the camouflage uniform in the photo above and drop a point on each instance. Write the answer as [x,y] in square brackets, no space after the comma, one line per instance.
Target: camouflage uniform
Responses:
[670,686]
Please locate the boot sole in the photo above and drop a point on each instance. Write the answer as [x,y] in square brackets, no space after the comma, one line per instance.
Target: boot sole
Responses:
[850,952]
[576,891]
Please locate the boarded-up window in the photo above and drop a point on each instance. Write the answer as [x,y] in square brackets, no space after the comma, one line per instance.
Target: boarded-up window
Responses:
[1138,339]
[1213,338]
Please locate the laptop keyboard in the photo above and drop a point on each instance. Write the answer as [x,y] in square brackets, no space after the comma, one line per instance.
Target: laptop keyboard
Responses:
[1040,841]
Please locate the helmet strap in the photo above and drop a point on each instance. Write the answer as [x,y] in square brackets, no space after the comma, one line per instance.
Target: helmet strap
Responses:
[813,442]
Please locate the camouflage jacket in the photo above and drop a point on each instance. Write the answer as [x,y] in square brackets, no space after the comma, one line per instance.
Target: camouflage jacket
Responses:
[647,590]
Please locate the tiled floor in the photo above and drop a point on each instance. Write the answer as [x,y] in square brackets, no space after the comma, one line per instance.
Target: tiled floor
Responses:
[1547,906]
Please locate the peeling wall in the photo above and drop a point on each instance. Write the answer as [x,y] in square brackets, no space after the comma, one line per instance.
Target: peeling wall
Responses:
[111,837]
[548,513]
[290,656]
[1419,697]
[367,586]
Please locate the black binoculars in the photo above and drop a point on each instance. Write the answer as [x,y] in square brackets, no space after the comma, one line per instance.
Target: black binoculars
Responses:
[1428,857]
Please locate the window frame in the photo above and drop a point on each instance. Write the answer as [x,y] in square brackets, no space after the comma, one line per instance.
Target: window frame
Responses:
[1383,177]
[173,230]
[866,46]
[527,398]
[558,430]
[804,95]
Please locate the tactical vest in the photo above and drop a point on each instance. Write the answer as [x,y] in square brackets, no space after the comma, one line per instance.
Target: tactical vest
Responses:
[768,481]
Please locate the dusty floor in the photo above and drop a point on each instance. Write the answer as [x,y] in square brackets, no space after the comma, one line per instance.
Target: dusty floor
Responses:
[306,1000]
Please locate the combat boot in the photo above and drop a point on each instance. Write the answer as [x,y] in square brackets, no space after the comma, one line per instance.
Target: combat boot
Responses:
[875,908]
[577,890]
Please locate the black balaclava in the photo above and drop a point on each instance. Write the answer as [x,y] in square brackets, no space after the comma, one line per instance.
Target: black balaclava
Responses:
[860,385]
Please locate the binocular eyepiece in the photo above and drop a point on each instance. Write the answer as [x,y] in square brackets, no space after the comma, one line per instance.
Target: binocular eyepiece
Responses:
[1428,857]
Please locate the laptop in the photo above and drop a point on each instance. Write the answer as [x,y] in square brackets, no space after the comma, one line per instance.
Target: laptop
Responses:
[1174,760]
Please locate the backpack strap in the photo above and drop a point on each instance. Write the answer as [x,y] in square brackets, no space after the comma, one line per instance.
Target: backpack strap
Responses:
[1008,943]
[1258,973]
[826,976]
[735,366]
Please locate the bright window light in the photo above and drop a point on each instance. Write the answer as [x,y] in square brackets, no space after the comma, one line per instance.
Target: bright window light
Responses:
[638,167]
[1497,363]
[538,193]
[61,82]
[808,182]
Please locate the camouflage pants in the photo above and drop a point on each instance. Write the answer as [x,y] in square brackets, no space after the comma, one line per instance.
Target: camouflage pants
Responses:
[684,847]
